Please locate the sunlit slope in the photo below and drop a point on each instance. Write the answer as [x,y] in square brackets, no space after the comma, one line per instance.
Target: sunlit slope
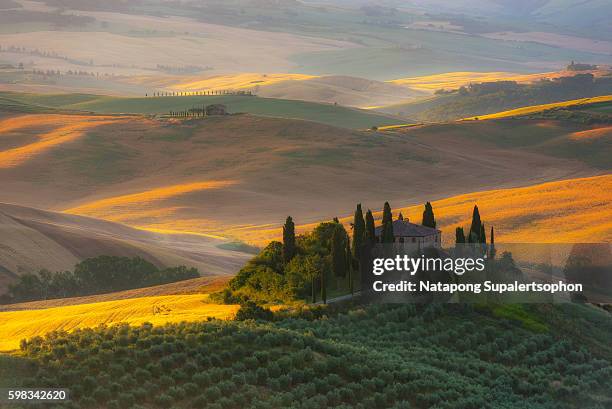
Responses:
[454,80]
[330,114]
[17,325]
[65,128]
[236,82]
[329,89]
[200,285]
[568,211]
[539,108]
[126,207]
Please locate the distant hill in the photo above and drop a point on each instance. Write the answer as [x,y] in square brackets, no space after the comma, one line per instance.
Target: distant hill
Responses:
[344,90]
[486,98]
[330,89]
[34,239]
[324,113]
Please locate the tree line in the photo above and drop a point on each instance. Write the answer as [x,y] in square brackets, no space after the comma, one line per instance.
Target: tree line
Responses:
[320,263]
[200,93]
[95,275]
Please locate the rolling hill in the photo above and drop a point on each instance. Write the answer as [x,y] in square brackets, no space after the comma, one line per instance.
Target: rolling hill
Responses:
[330,114]
[478,99]
[34,239]
[329,89]
[228,176]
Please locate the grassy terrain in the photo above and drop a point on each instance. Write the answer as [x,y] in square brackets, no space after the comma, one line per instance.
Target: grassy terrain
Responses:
[323,113]
[16,325]
[363,357]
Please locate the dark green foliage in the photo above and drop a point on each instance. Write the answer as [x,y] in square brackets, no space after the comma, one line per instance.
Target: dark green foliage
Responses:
[387,215]
[266,278]
[387,233]
[378,356]
[95,275]
[288,240]
[338,251]
[429,219]
[492,250]
[475,228]
[350,261]
[370,228]
[459,235]
[251,311]
[359,232]
[483,235]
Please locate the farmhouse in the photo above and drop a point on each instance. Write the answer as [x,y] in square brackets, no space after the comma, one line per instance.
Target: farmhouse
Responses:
[216,109]
[406,232]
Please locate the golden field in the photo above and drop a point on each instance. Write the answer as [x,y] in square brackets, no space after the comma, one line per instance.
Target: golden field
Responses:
[158,310]
[538,108]
[567,211]
[237,82]
[454,80]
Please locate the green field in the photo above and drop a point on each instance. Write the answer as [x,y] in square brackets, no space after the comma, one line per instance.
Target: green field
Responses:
[324,113]
[380,356]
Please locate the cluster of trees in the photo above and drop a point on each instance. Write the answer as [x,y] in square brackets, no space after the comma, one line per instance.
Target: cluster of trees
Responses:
[198,112]
[477,233]
[95,275]
[301,267]
[369,357]
[316,263]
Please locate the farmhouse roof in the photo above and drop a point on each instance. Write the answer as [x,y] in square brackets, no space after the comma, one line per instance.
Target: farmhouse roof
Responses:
[403,228]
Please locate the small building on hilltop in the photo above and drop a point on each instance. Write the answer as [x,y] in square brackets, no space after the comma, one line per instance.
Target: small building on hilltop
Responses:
[216,109]
[411,233]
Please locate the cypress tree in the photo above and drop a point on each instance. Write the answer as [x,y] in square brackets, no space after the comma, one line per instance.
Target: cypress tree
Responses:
[387,224]
[338,252]
[387,233]
[492,240]
[474,234]
[429,219]
[288,240]
[387,216]
[483,234]
[358,232]
[349,264]
[370,229]
[459,235]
